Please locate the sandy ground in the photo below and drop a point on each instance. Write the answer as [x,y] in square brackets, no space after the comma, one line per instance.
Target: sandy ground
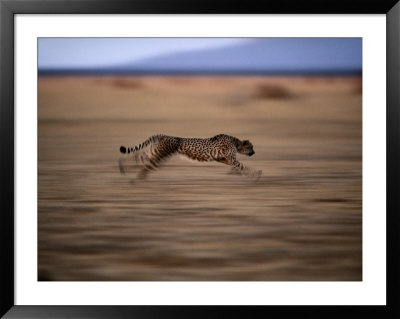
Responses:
[301,221]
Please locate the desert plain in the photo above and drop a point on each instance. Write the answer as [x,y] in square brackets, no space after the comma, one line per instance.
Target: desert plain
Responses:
[191,221]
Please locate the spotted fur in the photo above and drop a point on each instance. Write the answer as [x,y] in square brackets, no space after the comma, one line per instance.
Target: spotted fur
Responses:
[221,148]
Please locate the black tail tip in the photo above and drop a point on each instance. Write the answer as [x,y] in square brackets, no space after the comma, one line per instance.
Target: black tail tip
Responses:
[122,149]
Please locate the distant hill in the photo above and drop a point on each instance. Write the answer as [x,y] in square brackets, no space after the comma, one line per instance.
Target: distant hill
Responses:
[270,56]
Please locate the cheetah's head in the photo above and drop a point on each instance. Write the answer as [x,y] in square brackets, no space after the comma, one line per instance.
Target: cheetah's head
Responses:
[245,147]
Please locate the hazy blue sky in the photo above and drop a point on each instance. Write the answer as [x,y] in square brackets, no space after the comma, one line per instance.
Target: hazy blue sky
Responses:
[199,53]
[87,52]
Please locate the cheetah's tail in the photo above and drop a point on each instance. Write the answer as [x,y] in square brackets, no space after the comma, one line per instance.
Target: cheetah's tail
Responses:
[122,149]
[152,140]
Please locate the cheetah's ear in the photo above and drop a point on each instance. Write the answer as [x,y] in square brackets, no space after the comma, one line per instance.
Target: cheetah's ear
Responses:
[245,142]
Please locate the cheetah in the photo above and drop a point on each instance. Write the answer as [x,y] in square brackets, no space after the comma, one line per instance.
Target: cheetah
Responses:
[221,148]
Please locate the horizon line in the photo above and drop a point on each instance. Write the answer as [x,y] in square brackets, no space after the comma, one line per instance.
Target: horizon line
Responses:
[78,71]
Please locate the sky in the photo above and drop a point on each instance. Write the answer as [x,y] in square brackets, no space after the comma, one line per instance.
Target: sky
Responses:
[91,52]
[194,54]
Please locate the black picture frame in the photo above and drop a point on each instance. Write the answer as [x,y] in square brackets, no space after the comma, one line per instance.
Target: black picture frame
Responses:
[9,8]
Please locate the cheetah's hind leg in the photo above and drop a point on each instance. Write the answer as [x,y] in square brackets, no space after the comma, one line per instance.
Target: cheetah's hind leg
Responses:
[121,164]
[127,163]
[151,162]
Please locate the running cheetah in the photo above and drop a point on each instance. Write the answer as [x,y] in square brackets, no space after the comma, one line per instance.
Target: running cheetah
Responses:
[221,148]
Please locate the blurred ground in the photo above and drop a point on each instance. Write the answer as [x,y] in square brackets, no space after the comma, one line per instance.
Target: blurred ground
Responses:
[192,221]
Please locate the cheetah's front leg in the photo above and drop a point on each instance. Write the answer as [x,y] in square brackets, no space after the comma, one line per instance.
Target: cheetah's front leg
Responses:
[241,169]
